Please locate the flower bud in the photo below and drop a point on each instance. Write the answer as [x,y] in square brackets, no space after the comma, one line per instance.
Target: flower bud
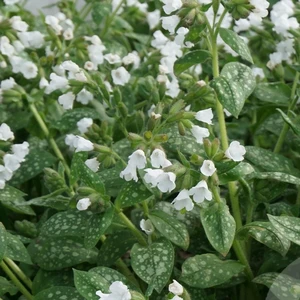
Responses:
[196,160]
[218,157]
[216,5]
[53,181]
[102,149]
[177,169]
[215,145]
[133,137]
[85,191]
[136,296]
[177,107]
[122,110]
[188,115]
[148,135]
[161,138]
[26,228]
[181,129]
[108,161]
[117,95]
[187,124]
[207,147]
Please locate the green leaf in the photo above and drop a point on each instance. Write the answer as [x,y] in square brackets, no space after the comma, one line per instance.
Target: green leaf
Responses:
[170,228]
[57,202]
[207,270]
[70,118]
[7,287]
[290,122]
[240,171]
[235,84]
[116,245]
[219,226]
[153,264]
[283,177]
[132,193]
[97,226]
[265,233]
[289,227]
[3,241]
[295,67]
[12,199]
[59,292]
[190,59]
[88,283]
[100,11]
[56,253]
[283,286]
[67,223]
[277,93]
[34,164]
[236,43]
[15,249]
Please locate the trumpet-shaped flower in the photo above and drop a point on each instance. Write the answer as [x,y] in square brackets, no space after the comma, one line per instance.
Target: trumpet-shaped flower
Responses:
[93,164]
[176,288]
[236,151]
[152,175]
[183,200]
[208,168]
[120,76]
[159,159]
[83,204]
[147,226]
[171,5]
[66,100]
[170,23]
[205,116]
[5,133]
[199,133]
[200,192]
[118,291]
[84,124]
[166,182]
[129,173]
[137,159]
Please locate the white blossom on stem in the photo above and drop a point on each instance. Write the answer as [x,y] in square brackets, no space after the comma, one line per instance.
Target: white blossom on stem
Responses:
[6,133]
[118,291]
[205,116]
[83,204]
[235,151]
[200,192]
[120,76]
[147,226]
[84,124]
[208,168]
[176,288]
[129,173]
[183,200]
[199,133]
[92,164]
[159,159]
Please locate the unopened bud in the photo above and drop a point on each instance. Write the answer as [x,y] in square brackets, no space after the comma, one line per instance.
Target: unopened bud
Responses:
[161,138]
[178,106]
[117,95]
[187,124]
[181,129]
[218,157]
[102,149]
[122,110]
[135,137]
[85,191]
[196,160]
[148,135]
[215,145]
[207,147]
[53,181]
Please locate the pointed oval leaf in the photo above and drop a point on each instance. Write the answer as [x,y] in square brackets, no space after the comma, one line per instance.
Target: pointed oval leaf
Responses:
[235,84]
[3,241]
[97,226]
[153,264]
[207,270]
[289,227]
[265,233]
[219,226]
[190,59]
[295,127]
[59,292]
[170,228]
[283,177]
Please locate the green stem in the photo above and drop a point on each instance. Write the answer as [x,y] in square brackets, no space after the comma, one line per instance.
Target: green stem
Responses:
[292,105]
[51,141]
[133,229]
[18,272]
[126,271]
[16,281]
[298,196]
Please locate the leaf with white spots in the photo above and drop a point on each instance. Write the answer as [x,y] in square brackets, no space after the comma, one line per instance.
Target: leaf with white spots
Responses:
[190,59]
[56,202]
[88,283]
[115,245]
[15,249]
[132,193]
[283,286]
[277,93]
[170,228]
[235,84]
[294,124]
[7,287]
[57,253]
[12,199]
[3,241]
[97,226]
[283,177]
[66,223]
[154,263]
[289,227]
[34,164]
[240,171]
[207,270]
[219,226]
[265,233]
[59,293]
[236,43]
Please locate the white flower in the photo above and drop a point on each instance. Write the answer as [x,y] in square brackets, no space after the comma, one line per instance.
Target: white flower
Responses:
[11,162]
[17,24]
[53,22]
[236,151]
[170,23]
[176,298]
[183,200]
[138,159]
[260,7]
[11,2]
[68,34]
[19,47]
[208,168]
[69,140]
[3,64]
[82,144]
[70,66]
[93,164]
[132,58]
[56,82]
[155,116]
[2,184]
[7,84]
[147,226]
[200,192]
[43,83]
[5,133]
[66,100]
[118,291]
[84,124]
[83,204]
[5,174]
[20,150]
[166,182]
[120,76]
[84,97]
[90,66]
[31,39]
[152,175]
[129,173]
[171,5]
[171,50]
[199,133]
[181,33]
[112,58]
[176,288]
[258,72]
[172,88]
[96,54]
[29,69]
[153,18]
[5,47]
[205,116]
[159,40]
[159,159]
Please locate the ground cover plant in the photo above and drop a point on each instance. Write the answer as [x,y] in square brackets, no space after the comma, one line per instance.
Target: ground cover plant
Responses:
[150,150]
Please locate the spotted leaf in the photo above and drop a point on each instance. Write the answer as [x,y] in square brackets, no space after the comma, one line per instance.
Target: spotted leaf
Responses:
[3,241]
[59,293]
[7,287]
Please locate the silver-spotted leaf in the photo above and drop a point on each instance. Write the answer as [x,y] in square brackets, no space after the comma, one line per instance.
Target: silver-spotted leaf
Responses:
[207,270]
[3,241]
[235,84]
[154,263]
[59,292]
[170,228]
[7,287]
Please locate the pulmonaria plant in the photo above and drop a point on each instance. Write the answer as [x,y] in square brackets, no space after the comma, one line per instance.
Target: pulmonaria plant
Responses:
[149,150]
